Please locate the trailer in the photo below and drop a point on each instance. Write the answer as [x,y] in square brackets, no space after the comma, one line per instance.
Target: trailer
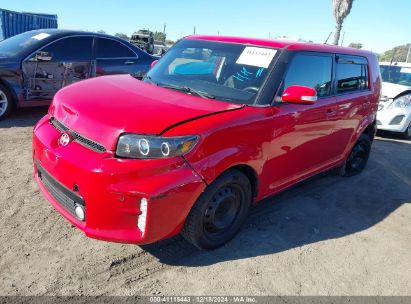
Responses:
[14,23]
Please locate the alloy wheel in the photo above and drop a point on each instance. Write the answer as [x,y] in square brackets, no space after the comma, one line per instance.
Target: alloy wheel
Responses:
[3,103]
[358,157]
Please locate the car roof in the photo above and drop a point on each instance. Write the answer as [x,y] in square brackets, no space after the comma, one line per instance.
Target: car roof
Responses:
[56,33]
[285,44]
[60,33]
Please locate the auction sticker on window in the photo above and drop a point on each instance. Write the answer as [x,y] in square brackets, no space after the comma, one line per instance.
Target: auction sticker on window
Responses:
[254,56]
[405,70]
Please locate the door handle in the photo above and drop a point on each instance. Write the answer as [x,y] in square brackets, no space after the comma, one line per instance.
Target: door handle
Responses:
[331,112]
[366,104]
[129,62]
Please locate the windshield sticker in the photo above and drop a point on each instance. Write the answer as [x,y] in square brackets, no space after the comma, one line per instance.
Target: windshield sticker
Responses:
[406,70]
[41,36]
[254,56]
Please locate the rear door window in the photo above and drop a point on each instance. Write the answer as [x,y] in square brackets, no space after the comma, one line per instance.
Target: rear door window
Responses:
[314,71]
[109,48]
[352,74]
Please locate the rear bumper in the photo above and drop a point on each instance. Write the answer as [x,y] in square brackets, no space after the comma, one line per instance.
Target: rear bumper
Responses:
[112,189]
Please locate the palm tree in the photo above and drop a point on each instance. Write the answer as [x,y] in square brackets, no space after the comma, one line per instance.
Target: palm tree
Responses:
[341,9]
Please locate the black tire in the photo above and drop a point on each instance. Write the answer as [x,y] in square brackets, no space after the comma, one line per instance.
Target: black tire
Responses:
[407,133]
[219,212]
[6,102]
[358,158]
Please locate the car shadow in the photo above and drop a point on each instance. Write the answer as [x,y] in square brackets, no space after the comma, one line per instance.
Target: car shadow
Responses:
[321,208]
[391,135]
[24,117]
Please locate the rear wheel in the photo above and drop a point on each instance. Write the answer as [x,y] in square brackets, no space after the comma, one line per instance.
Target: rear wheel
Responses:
[6,102]
[358,158]
[219,212]
[407,133]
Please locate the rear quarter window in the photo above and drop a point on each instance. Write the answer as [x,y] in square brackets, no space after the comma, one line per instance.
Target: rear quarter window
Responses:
[351,74]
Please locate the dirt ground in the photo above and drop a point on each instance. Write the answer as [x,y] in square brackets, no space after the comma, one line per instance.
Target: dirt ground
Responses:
[327,236]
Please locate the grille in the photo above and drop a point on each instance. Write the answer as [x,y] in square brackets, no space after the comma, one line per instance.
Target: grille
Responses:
[66,198]
[88,143]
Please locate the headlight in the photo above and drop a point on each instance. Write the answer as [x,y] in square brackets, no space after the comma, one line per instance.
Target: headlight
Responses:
[401,102]
[141,146]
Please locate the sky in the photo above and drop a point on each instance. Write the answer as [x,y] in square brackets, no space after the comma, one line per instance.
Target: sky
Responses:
[378,24]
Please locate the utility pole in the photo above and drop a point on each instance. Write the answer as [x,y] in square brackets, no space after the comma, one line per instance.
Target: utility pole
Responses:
[164,31]
[408,54]
[194,32]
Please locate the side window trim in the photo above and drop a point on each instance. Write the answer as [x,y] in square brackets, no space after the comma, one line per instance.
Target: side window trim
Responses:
[352,59]
[309,53]
[54,41]
[136,56]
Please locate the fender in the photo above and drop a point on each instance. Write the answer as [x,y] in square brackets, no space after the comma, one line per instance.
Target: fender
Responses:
[366,122]
[12,81]
[230,139]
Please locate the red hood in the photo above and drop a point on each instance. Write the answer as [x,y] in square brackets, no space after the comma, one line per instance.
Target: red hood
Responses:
[102,108]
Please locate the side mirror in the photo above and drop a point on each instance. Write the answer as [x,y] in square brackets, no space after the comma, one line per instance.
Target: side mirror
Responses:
[300,94]
[153,64]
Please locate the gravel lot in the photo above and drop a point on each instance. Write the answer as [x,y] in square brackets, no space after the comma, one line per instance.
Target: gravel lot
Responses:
[327,236]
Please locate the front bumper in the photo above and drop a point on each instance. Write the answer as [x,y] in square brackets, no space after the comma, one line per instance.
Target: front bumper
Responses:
[395,120]
[112,188]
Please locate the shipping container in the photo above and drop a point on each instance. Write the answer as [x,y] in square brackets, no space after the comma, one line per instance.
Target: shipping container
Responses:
[13,23]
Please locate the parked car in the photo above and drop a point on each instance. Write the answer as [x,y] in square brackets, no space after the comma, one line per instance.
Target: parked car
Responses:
[394,110]
[34,65]
[191,152]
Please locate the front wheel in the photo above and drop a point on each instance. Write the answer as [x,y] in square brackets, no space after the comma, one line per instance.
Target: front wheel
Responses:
[219,212]
[407,133]
[6,102]
[358,158]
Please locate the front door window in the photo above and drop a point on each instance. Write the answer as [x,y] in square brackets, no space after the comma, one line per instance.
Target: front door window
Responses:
[56,65]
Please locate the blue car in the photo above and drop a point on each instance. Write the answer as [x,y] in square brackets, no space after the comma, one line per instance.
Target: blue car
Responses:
[34,65]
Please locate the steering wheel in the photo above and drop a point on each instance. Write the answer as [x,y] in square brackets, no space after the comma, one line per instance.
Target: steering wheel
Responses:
[251,89]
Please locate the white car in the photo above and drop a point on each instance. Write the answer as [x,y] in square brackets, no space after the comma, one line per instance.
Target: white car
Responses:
[394,109]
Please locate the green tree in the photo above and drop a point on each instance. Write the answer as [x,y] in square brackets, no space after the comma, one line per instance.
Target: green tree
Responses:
[341,9]
[122,36]
[356,45]
[160,36]
[398,53]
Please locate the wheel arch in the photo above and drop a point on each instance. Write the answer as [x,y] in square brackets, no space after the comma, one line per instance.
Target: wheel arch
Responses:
[11,91]
[249,172]
[371,130]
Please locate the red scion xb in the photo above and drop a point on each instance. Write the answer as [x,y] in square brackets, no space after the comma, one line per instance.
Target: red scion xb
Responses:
[218,124]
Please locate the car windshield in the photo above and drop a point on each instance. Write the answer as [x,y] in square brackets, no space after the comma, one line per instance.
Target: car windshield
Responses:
[216,70]
[396,74]
[15,45]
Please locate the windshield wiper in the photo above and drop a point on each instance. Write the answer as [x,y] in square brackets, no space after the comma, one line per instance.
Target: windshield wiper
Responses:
[149,79]
[187,90]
